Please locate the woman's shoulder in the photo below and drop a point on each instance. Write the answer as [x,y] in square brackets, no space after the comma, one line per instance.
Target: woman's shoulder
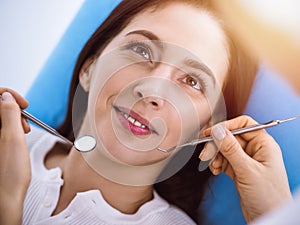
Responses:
[33,136]
[39,138]
[39,143]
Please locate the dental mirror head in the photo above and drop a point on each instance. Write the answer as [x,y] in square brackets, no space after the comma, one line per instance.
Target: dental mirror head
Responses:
[85,143]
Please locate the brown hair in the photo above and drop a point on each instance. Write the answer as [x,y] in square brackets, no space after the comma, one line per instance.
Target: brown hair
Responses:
[184,189]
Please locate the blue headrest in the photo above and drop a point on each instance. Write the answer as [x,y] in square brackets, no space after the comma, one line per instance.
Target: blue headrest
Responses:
[48,95]
[271,99]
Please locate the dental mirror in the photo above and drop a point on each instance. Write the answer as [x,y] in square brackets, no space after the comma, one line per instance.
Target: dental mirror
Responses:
[84,143]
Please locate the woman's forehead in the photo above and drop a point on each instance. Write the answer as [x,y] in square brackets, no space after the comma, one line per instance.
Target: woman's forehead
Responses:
[188,27]
[177,15]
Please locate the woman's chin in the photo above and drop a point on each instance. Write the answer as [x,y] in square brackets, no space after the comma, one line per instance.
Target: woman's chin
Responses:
[129,157]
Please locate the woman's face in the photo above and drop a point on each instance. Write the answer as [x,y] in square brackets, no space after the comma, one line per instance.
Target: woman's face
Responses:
[156,83]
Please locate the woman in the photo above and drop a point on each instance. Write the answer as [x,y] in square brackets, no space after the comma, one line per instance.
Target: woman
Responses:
[146,68]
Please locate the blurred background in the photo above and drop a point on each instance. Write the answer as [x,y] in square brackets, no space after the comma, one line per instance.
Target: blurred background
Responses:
[29,30]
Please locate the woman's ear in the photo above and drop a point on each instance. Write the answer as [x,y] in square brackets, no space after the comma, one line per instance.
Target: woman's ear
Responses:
[85,74]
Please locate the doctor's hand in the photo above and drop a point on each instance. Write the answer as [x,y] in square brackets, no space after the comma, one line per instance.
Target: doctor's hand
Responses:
[254,162]
[15,172]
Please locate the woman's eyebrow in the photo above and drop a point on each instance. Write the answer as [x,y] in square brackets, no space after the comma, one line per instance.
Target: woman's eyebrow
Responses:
[188,61]
[149,35]
[200,66]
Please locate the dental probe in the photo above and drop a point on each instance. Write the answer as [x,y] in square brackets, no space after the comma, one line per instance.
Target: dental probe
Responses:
[45,126]
[234,132]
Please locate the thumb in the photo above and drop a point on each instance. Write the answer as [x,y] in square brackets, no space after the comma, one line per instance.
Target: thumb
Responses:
[230,148]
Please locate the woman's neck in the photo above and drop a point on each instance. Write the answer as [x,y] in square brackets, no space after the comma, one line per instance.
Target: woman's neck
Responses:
[79,177]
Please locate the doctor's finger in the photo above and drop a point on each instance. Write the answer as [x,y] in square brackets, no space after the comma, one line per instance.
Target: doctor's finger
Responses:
[22,102]
[25,125]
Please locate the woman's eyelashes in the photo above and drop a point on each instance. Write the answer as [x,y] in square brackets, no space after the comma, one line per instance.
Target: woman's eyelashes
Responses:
[194,81]
[142,49]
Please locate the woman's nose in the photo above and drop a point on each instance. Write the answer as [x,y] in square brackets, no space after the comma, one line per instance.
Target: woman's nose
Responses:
[157,87]
[149,95]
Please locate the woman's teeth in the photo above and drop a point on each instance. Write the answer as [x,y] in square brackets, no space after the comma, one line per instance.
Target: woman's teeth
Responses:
[133,121]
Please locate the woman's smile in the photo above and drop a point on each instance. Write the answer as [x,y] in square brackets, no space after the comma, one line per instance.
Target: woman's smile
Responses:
[134,122]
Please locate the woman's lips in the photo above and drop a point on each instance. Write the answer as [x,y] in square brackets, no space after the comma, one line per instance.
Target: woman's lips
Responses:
[133,121]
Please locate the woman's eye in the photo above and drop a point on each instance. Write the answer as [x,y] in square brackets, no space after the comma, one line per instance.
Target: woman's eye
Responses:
[143,51]
[193,82]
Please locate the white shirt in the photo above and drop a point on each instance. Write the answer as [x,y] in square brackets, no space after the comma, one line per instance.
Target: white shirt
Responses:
[87,207]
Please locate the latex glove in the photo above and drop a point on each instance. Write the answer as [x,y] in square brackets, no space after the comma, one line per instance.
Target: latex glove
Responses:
[254,161]
[15,171]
